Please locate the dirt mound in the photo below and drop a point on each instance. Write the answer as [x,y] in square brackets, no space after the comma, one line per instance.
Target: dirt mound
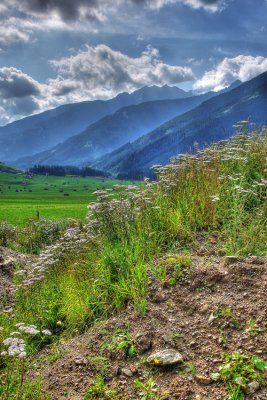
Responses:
[205,313]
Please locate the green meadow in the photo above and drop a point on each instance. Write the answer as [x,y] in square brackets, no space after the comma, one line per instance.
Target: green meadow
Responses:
[52,197]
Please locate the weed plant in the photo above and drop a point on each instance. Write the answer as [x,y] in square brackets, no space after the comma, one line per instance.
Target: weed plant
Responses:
[99,267]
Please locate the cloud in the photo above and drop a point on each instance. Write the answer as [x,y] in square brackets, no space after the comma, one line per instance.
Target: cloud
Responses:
[230,69]
[211,5]
[70,10]
[93,73]
[18,94]
[20,19]
[103,72]
[67,10]
[9,35]
[95,9]
[15,84]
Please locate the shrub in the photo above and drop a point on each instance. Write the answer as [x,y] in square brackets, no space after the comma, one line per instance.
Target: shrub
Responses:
[7,233]
[39,233]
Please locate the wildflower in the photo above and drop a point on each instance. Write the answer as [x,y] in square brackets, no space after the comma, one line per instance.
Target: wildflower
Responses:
[47,332]
[23,354]
[31,330]
[15,347]
[19,324]
[215,198]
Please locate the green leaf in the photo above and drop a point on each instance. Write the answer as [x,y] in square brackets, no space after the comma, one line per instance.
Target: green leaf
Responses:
[132,351]
[259,363]
[123,345]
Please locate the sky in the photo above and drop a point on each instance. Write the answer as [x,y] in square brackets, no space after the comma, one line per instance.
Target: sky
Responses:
[54,52]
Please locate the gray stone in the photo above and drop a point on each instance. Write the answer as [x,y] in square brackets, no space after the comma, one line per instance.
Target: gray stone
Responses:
[126,372]
[159,297]
[164,358]
[144,343]
[80,361]
[211,318]
[203,380]
[231,260]
[252,387]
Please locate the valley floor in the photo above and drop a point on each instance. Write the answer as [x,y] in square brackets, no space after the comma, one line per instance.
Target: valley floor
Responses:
[54,197]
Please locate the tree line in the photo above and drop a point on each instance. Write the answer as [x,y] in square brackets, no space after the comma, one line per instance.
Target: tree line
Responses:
[63,170]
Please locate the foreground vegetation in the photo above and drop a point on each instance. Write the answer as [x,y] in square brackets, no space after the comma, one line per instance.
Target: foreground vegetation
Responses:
[100,266]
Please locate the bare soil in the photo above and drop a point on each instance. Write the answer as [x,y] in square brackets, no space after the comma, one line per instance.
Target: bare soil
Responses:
[178,317]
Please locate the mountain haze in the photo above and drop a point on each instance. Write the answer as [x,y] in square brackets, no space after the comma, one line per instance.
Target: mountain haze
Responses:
[113,131]
[42,131]
[211,121]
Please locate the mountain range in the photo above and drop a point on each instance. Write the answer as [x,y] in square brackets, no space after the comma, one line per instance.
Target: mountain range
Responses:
[112,131]
[209,122]
[41,132]
[128,134]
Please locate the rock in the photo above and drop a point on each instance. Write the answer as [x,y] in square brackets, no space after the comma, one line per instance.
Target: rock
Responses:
[133,369]
[165,358]
[80,361]
[158,297]
[215,377]
[193,343]
[231,260]
[211,318]
[144,343]
[126,372]
[203,380]
[257,260]
[252,387]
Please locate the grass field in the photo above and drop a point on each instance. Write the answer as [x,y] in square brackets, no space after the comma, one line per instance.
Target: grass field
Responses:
[53,197]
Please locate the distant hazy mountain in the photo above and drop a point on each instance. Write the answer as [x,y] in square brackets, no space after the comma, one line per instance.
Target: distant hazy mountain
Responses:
[43,131]
[213,120]
[112,131]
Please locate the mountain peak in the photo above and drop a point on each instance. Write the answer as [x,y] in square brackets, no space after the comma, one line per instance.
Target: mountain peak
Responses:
[154,93]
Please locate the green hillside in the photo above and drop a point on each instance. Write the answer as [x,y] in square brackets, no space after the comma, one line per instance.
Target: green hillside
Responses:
[9,169]
[176,266]
[212,121]
[112,131]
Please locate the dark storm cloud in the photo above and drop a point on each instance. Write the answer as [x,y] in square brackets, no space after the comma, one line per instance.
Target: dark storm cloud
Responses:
[67,9]
[25,106]
[16,84]
[18,93]
[209,1]
[71,10]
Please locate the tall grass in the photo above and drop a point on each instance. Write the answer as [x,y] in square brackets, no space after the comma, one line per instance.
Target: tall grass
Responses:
[104,265]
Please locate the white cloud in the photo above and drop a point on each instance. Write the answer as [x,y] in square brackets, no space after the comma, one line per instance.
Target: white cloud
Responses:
[210,5]
[230,69]
[11,34]
[92,73]
[78,15]
[103,72]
